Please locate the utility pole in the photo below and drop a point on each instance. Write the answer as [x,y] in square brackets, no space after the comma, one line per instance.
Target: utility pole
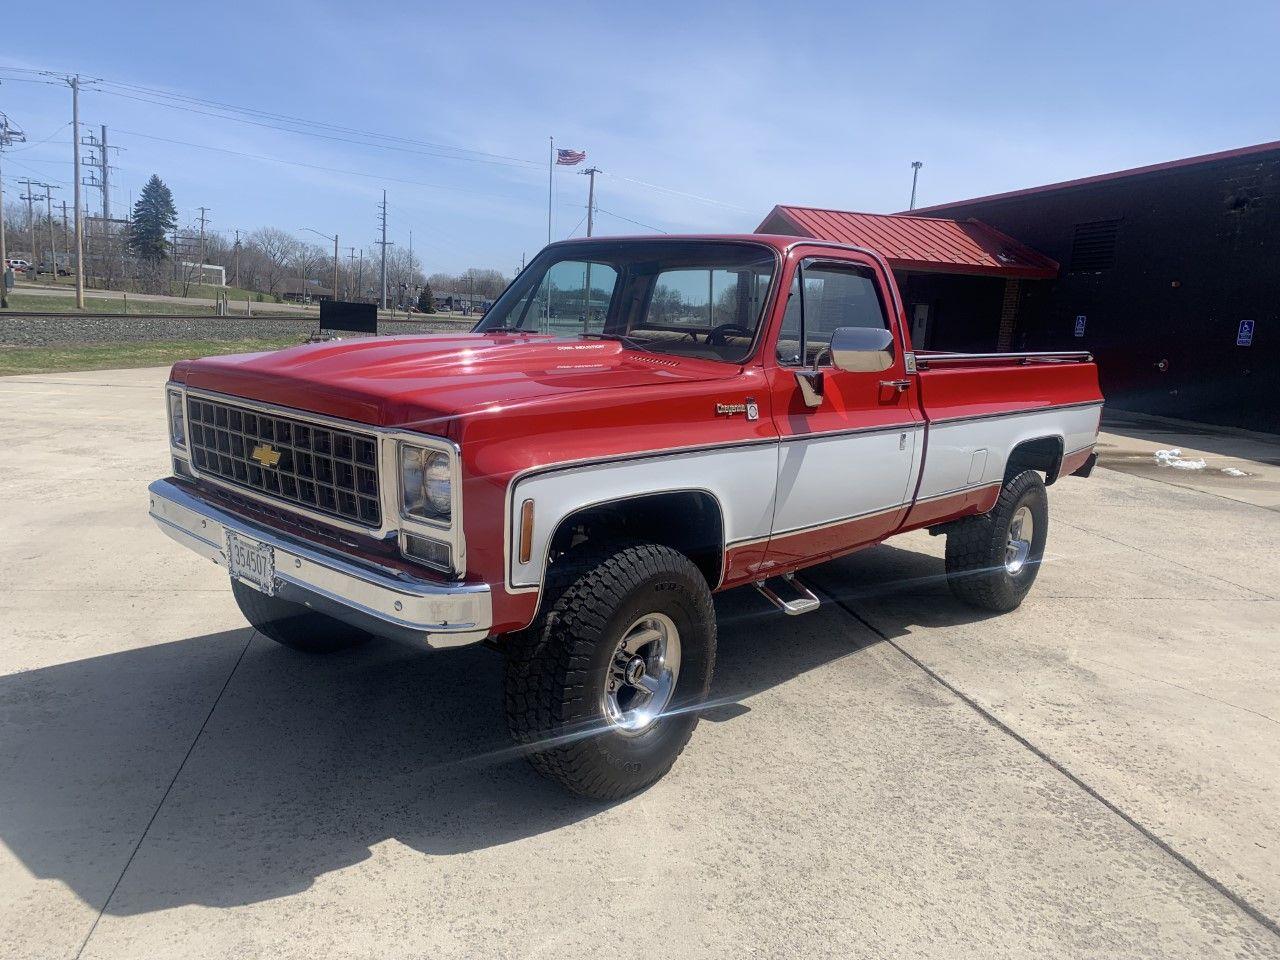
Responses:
[31,198]
[235,262]
[591,196]
[382,216]
[360,275]
[66,236]
[100,168]
[75,148]
[351,274]
[48,212]
[915,175]
[203,219]
[8,135]
[106,185]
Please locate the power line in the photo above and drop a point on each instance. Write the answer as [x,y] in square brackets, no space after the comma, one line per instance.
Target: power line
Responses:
[315,166]
[618,216]
[287,118]
[678,193]
[522,164]
[41,143]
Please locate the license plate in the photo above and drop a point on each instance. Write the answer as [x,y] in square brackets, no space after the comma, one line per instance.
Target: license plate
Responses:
[252,562]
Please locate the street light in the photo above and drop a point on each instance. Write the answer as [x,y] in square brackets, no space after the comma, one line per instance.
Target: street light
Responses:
[915,175]
[334,238]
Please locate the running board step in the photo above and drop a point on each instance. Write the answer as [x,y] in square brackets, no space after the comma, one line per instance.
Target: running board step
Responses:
[806,603]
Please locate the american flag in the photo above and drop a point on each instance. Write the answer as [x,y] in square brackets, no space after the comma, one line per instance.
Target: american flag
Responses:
[570,158]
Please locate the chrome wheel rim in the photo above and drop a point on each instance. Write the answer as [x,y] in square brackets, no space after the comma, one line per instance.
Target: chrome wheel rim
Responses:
[642,674]
[1017,545]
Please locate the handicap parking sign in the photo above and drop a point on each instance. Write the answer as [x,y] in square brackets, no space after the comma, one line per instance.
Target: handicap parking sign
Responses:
[1081,320]
[1244,334]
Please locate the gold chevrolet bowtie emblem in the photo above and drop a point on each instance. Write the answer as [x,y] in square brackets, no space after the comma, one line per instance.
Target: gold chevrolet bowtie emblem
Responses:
[266,454]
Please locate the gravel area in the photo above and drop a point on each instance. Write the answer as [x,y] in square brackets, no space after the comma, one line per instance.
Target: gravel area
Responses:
[21,331]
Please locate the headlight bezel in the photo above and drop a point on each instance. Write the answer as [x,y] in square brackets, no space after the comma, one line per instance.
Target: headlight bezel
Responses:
[176,415]
[428,489]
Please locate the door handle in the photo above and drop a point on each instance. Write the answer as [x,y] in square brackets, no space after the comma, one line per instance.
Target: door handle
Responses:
[902,386]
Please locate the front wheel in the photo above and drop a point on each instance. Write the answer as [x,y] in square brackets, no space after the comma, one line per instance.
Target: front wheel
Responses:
[604,688]
[992,560]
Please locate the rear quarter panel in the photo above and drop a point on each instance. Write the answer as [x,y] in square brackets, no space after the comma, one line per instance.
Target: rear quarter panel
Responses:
[977,414]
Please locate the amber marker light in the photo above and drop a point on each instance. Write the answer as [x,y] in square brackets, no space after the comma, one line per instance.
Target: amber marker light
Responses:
[526,531]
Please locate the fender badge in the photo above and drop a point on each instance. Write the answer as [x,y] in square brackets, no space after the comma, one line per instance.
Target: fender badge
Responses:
[748,407]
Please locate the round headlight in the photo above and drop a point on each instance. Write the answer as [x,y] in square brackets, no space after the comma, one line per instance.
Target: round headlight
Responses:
[426,483]
[438,480]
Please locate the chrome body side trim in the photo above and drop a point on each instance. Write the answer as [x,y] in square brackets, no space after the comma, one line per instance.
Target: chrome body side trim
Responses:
[367,596]
[1016,413]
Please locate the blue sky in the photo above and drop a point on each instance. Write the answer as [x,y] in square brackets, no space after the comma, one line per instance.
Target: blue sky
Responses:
[702,116]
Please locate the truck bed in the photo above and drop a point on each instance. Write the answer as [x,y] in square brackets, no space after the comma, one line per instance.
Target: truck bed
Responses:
[979,407]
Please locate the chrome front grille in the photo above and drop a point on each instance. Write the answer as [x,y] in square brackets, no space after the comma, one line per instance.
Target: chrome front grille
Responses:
[326,469]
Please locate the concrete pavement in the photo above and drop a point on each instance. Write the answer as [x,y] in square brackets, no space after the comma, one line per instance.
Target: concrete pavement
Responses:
[896,775]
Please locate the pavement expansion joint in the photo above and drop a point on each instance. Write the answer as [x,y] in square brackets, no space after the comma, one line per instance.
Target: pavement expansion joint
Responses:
[1244,905]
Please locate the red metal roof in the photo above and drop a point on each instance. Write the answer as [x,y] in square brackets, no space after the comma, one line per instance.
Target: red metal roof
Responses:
[1271,147]
[917,243]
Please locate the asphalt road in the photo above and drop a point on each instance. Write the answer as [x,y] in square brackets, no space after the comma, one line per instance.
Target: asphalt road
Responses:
[1094,775]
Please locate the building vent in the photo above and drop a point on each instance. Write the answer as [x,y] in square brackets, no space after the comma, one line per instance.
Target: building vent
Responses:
[1093,246]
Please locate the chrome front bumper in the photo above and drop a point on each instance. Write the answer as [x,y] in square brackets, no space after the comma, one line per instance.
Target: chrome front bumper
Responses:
[374,599]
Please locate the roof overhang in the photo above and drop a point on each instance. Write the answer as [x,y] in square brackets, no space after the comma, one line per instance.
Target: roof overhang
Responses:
[918,244]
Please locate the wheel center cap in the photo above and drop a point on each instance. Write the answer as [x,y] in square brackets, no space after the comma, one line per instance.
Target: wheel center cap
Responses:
[635,671]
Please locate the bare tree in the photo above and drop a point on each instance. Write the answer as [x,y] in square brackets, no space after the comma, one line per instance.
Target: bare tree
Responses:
[272,252]
[308,262]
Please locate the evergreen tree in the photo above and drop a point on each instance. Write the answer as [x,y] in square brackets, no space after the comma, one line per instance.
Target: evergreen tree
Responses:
[154,216]
[426,299]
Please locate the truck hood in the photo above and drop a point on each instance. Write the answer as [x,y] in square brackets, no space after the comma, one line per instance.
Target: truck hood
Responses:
[425,381]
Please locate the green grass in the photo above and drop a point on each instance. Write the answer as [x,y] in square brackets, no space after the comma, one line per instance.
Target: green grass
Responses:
[112,356]
[19,302]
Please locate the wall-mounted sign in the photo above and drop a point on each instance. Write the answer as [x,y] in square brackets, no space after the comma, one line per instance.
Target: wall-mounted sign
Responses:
[1081,319]
[1244,334]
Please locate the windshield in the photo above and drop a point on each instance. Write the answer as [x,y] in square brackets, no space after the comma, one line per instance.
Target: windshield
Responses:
[698,299]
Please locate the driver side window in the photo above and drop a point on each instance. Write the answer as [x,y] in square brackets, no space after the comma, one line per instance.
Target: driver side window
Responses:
[824,296]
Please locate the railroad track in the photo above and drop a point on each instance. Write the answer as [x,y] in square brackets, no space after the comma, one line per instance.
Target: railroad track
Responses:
[54,315]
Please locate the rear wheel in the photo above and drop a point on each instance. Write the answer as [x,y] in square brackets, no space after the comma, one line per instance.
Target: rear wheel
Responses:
[992,560]
[604,688]
[294,625]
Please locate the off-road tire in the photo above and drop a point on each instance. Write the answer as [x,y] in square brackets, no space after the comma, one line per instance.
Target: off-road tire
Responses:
[294,625]
[976,570]
[556,670]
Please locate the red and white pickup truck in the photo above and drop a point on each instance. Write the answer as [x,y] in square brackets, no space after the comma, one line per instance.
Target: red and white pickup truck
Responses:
[635,425]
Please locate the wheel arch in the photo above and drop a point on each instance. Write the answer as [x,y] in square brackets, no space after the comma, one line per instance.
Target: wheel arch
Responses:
[1042,453]
[692,523]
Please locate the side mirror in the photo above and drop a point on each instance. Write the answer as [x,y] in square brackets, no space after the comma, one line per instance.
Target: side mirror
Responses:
[862,349]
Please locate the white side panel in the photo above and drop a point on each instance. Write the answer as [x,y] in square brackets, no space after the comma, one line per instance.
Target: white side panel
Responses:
[950,455]
[834,478]
[741,478]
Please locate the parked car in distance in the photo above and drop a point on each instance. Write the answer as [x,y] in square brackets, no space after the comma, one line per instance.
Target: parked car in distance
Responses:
[634,425]
[19,265]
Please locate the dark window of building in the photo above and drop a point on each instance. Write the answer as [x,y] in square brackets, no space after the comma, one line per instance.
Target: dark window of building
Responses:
[1093,246]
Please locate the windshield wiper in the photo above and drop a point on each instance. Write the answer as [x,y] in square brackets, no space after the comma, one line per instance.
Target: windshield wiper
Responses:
[622,338]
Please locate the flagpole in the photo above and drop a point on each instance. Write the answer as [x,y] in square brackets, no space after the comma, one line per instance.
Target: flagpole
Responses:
[551,159]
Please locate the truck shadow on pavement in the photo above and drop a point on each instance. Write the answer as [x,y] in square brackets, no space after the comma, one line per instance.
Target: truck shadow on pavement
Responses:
[306,764]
